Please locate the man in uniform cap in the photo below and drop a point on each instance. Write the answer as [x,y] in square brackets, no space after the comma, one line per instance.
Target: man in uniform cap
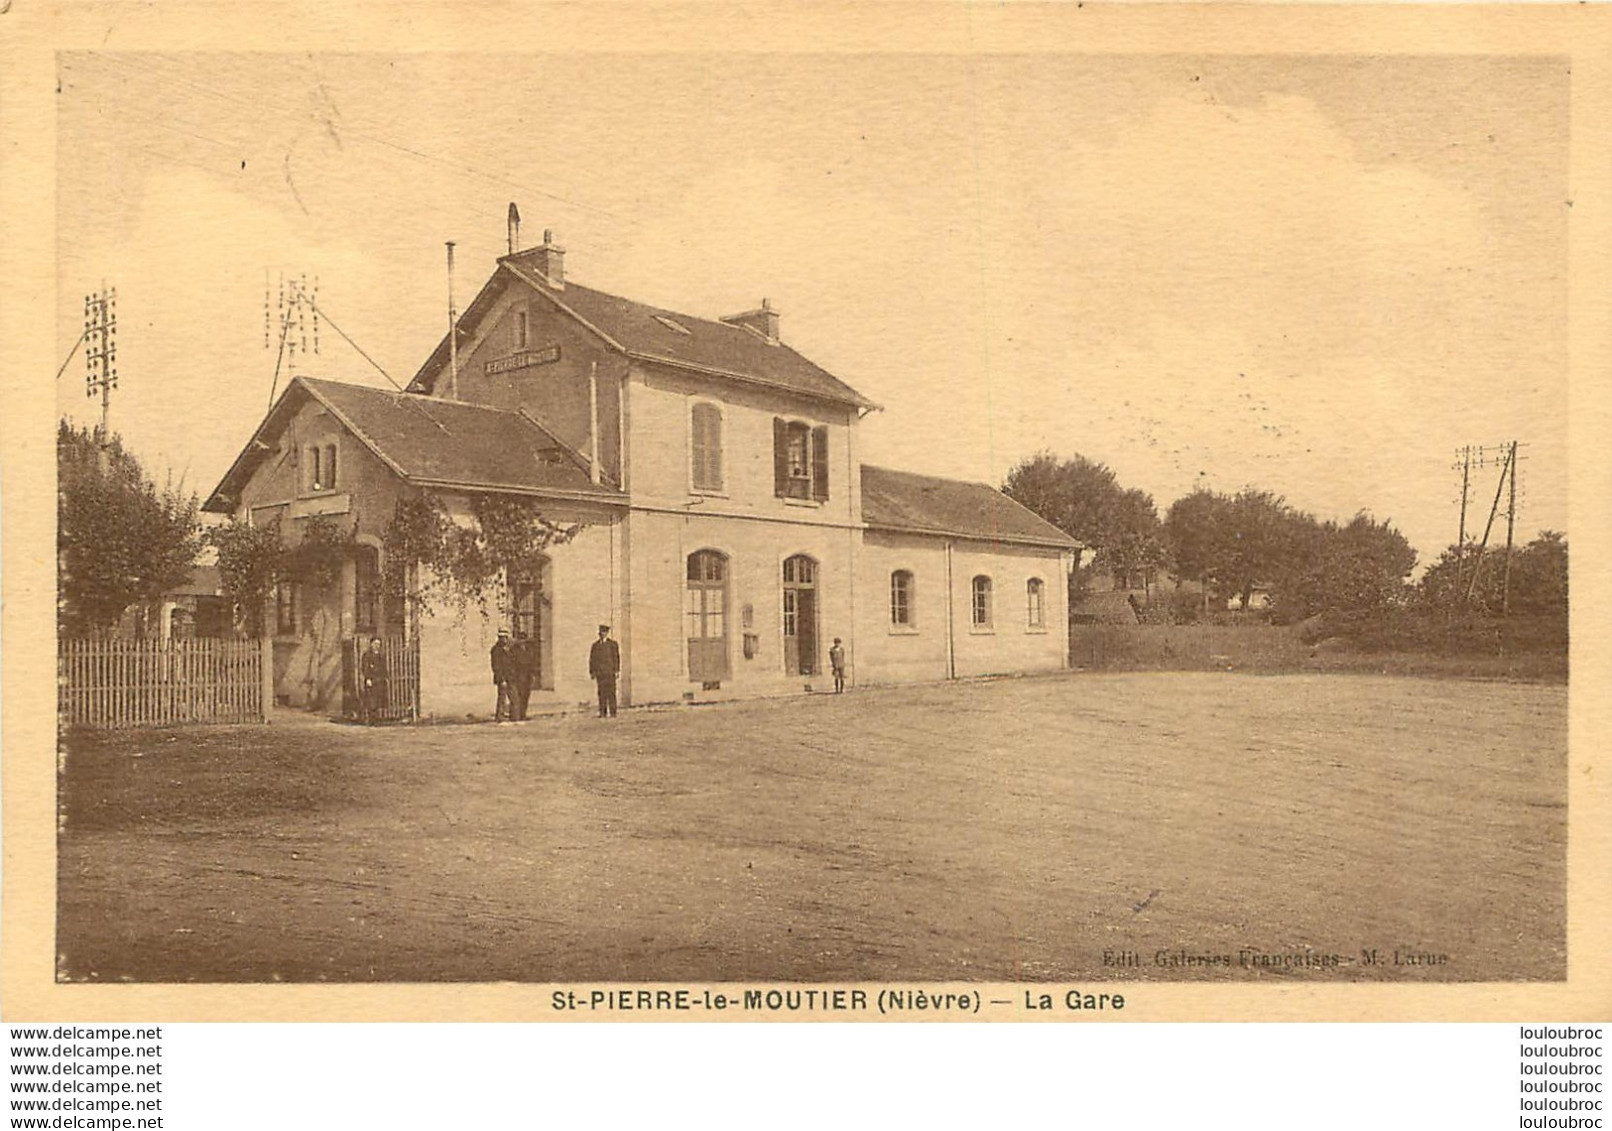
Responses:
[503,658]
[604,665]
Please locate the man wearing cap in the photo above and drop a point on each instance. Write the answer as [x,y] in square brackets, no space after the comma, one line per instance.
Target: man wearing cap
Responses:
[503,657]
[604,664]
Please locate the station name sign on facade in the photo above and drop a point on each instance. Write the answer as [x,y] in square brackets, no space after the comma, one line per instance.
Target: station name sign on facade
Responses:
[522,359]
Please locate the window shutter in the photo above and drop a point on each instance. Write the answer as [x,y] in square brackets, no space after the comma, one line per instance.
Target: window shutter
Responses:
[698,456]
[780,457]
[713,449]
[820,463]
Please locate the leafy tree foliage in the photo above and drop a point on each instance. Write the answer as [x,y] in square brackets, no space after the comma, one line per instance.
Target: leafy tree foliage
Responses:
[1358,568]
[1084,499]
[1538,579]
[119,540]
[250,562]
[1233,543]
[464,562]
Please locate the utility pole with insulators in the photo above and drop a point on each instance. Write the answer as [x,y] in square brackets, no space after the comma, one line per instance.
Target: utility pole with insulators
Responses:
[296,310]
[101,352]
[1505,456]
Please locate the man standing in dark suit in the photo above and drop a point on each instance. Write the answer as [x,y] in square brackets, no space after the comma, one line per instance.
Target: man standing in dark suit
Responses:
[524,655]
[604,665]
[503,660]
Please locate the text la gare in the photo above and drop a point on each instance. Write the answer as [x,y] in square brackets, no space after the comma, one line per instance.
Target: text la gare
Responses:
[1073,999]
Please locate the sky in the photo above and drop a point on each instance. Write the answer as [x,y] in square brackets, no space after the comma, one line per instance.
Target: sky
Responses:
[1316,276]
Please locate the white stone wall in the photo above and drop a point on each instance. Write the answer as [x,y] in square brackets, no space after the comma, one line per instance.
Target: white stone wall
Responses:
[656,644]
[942,638]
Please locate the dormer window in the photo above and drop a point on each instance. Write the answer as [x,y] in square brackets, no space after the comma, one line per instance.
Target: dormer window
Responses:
[800,460]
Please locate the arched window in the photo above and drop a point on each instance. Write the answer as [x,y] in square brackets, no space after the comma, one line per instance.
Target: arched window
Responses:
[705,472]
[321,470]
[901,599]
[705,613]
[1035,594]
[981,604]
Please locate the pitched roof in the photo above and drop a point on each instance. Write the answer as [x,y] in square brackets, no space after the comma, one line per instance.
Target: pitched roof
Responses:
[430,443]
[901,500]
[640,331]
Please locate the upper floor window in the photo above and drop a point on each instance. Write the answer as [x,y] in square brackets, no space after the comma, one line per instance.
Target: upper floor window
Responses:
[981,604]
[705,471]
[799,460]
[520,330]
[1035,594]
[901,599]
[321,469]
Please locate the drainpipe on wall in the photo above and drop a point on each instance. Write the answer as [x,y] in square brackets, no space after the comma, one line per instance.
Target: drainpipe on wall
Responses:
[593,421]
[951,619]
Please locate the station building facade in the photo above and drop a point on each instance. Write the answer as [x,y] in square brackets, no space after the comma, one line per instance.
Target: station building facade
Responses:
[724,524]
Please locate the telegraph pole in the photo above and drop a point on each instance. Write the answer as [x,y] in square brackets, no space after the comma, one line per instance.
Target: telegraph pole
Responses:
[101,354]
[1506,456]
[1511,527]
[453,334]
[1460,542]
[297,306]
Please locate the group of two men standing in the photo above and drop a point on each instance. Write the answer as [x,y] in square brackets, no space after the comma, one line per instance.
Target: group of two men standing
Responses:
[515,665]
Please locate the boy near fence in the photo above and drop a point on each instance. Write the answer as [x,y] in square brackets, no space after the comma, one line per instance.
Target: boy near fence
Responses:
[372,682]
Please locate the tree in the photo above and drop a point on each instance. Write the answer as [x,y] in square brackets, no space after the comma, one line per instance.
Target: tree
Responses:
[1538,579]
[1262,538]
[1232,543]
[1196,530]
[1084,499]
[119,540]
[250,562]
[1356,569]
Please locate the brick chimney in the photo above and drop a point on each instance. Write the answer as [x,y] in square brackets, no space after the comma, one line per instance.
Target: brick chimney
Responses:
[763,321]
[549,260]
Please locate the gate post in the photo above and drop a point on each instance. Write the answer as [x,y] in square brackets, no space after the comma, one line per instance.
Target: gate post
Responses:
[266,661]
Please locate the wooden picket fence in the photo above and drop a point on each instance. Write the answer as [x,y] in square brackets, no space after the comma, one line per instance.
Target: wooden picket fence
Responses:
[110,682]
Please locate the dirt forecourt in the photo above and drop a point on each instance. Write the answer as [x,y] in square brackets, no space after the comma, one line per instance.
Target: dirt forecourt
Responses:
[1148,826]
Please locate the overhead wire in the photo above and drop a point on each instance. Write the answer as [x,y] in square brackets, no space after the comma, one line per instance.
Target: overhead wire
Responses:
[407,399]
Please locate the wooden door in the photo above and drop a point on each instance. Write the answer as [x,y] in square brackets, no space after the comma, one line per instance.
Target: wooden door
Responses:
[705,611]
[800,616]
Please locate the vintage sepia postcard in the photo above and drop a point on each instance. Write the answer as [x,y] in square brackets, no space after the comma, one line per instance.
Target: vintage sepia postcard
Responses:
[1045,512]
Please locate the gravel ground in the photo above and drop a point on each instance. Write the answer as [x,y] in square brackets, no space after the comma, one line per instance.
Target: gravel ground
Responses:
[1147,826]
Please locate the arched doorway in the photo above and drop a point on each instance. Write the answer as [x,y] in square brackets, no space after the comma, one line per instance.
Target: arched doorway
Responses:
[532,619]
[800,615]
[705,612]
